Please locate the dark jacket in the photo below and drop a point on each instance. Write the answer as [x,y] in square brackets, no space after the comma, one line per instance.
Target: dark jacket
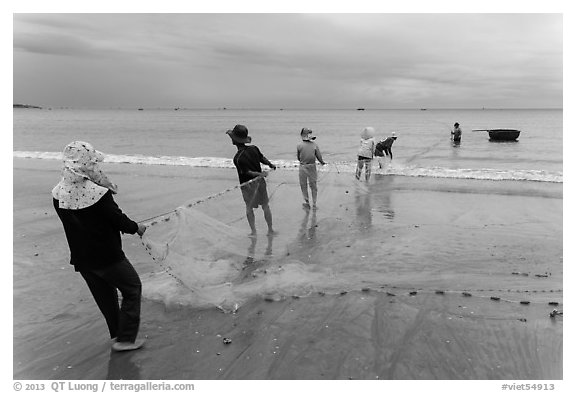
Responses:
[248,158]
[379,149]
[93,233]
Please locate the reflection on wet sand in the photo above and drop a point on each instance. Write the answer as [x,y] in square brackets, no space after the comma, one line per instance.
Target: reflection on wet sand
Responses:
[363,204]
[122,366]
[307,233]
[383,196]
[251,263]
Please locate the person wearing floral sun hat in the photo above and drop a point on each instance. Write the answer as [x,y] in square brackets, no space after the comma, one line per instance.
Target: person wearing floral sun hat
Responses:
[92,224]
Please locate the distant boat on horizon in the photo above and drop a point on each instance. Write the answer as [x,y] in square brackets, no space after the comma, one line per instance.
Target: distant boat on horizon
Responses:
[26,106]
[360,109]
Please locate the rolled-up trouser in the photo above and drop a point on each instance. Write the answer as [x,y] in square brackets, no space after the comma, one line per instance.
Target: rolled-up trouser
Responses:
[364,162]
[308,175]
[388,151]
[123,321]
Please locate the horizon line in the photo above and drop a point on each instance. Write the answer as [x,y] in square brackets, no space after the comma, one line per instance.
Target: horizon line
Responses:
[177,108]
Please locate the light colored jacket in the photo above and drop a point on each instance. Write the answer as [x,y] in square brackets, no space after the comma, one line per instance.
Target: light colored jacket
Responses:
[367,143]
[307,153]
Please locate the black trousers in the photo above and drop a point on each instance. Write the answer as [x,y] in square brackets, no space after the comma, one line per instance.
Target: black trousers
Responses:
[123,320]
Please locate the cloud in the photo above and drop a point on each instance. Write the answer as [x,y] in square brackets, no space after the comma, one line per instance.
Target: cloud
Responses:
[315,59]
[56,44]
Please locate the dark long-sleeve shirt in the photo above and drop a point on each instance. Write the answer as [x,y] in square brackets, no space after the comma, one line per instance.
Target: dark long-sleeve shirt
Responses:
[383,145]
[248,159]
[93,233]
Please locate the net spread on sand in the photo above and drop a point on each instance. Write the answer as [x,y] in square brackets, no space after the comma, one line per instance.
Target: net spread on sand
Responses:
[205,246]
[361,237]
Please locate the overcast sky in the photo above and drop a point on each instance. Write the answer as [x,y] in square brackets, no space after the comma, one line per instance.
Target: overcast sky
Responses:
[289,60]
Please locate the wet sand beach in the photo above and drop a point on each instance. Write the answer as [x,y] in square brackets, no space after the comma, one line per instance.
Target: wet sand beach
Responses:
[416,325]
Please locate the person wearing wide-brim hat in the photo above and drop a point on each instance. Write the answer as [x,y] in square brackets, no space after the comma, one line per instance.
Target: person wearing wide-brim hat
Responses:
[307,152]
[253,186]
[92,223]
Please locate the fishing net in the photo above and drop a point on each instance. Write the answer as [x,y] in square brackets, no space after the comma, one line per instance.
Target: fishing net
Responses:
[206,247]
[380,235]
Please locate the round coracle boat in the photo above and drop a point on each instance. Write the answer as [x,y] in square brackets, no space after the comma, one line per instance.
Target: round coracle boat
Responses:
[502,134]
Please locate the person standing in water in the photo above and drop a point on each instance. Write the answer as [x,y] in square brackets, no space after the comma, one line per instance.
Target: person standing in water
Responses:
[384,148]
[365,153]
[92,224]
[456,133]
[247,161]
[307,152]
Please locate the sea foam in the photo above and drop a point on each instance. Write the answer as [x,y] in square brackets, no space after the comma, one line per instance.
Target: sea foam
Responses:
[340,166]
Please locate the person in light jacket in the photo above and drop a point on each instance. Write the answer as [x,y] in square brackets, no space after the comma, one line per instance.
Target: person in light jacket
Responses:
[365,153]
[307,153]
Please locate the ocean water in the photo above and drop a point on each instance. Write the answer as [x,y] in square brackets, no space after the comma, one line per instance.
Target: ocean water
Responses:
[483,218]
[197,138]
[391,232]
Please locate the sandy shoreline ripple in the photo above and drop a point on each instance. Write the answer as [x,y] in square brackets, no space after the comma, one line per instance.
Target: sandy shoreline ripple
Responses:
[409,249]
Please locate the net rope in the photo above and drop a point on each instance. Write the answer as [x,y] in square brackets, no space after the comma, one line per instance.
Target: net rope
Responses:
[204,247]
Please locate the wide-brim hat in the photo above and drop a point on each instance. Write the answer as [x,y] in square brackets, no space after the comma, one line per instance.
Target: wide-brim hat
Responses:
[306,134]
[239,134]
[80,185]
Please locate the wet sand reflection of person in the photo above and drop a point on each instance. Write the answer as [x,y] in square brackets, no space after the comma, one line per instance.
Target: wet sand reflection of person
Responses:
[122,366]
[382,196]
[363,209]
[251,263]
[307,233]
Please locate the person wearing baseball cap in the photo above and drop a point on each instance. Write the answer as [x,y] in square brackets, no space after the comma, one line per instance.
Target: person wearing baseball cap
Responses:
[384,148]
[247,161]
[307,152]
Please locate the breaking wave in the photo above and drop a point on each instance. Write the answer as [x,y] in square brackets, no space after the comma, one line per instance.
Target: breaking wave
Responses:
[341,166]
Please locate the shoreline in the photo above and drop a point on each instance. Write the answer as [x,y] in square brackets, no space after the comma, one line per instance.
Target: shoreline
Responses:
[59,333]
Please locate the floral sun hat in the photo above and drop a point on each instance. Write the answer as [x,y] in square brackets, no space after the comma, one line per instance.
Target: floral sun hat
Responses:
[82,183]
